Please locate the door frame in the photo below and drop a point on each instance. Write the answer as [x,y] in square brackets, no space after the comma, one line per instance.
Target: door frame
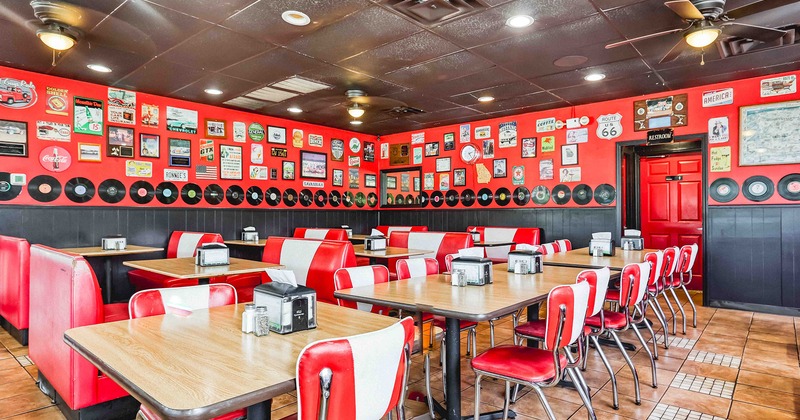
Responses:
[631,152]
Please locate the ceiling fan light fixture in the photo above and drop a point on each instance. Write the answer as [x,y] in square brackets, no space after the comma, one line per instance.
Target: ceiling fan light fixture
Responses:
[294,109]
[356,122]
[486,98]
[702,35]
[519,21]
[99,68]
[213,91]
[293,17]
[355,111]
[594,77]
[56,38]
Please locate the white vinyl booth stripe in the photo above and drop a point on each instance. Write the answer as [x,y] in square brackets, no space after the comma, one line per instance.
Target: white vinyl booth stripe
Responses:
[297,256]
[645,273]
[417,267]
[549,248]
[376,356]
[498,235]
[316,233]
[362,276]
[397,229]
[603,276]
[695,249]
[581,294]
[187,244]
[189,298]
[425,241]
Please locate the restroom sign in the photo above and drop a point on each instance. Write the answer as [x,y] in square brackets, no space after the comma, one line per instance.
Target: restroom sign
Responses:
[609,126]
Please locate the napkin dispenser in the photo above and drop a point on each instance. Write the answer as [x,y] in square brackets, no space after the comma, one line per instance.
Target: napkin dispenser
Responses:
[249,234]
[630,242]
[531,260]
[477,270]
[374,243]
[290,308]
[476,236]
[606,246]
[113,243]
[349,231]
[212,254]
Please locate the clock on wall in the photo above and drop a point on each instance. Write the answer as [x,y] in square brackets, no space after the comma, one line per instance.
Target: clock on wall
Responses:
[469,154]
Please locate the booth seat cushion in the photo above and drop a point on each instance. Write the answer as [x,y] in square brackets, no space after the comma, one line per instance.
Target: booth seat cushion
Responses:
[438,243]
[518,235]
[182,244]
[115,312]
[316,233]
[523,363]
[15,281]
[387,229]
[143,280]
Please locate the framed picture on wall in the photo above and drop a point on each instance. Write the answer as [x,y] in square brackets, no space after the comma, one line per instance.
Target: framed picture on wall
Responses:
[449,141]
[443,164]
[120,142]
[529,147]
[500,168]
[276,135]
[338,178]
[13,138]
[460,177]
[432,149]
[230,162]
[288,170]
[763,141]
[370,180]
[416,184]
[313,165]
[215,129]
[569,154]
[391,182]
[149,146]
[89,152]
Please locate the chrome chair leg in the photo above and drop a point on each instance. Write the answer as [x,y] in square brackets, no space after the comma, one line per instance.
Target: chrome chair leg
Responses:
[694,308]
[662,318]
[653,336]
[649,354]
[608,368]
[491,333]
[474,333]
[505,399]
[680,308]
[582,382]
[585,358]
[429,396]
[545,404]
[576,377]
[478,378]
[638,398]
[671,311]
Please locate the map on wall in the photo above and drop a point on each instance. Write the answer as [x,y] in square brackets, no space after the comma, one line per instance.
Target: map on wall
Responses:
[769,134]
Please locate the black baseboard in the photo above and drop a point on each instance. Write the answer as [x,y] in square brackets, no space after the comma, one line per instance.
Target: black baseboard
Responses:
[124,408]
[754,307]
[20,335]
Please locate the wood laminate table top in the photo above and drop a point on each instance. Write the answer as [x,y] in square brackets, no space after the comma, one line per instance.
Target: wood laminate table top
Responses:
[389,252]
[356,237]
[260,243]
[434,294]
[491,244]
[581,258]
[202,365]
[96,251]
[185,268]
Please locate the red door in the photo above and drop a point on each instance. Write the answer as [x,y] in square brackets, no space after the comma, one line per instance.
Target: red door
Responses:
[672,205]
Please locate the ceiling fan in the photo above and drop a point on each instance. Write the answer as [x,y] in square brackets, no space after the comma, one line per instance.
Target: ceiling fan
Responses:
[358,102]
[708,19]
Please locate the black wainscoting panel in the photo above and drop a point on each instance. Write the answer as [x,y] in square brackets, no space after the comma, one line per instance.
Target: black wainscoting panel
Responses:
[575,224]
[790,256]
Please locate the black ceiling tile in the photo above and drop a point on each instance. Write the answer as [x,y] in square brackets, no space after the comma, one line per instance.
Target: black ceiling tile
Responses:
[613,4]
[400,54]
[447,114]
[631,86]
[215,49]
[210,10]
[517,102]
[231,87]
[490,25]
[358,32]
[342,79]
[73,65]
[160,77]
[22,49]
[525,109]
[271,66]
[500,92]
[262,20]
[392,126]
[616,70]
[475,81]
[687,82]
[419,100]
[644,18]
[439,70]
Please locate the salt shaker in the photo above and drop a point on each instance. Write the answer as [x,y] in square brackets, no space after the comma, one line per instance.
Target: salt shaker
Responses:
[248,318]
[518,267]
[597,252]
[261,327]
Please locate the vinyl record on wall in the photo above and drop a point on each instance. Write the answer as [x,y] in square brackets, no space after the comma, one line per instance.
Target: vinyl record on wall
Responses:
[111,191]
[451,198]
[561,194]
[582,194]
[467,197]
[789,187]
[502,196]
[723,190]
[409,199]
[389,199]
[167,193]
[521,196]
[416,200]
[191,193]
[372,199]
[437,199]
[213,194]
[605,194]
[44,188]
[254,195]
[335,198]
[399,199]
[424,199]
[142,192]
[290,197]
[758,188]
[485,196]
[234,195]
[272,196]
[320,198]
[347,199]
[306,197]
[361,199]
[540,195]
[8,191]
[79,190]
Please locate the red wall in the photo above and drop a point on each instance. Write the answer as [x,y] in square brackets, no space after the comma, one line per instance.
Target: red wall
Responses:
[113,167]
[597,156]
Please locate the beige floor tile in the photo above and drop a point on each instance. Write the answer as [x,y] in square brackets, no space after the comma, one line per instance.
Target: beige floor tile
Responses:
[720,348]
[773,399]
[49,413]
[625,386]
[603,401]
[23,403]
[770,357]
[744,411]
[771,368]
[8,364]
[773,337]
[711,371]
[772,382]
[12,375]
[529,405]
[696,401]
[711,338]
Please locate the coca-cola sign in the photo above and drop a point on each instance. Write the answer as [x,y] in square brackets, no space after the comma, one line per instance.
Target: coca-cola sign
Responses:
[55,159]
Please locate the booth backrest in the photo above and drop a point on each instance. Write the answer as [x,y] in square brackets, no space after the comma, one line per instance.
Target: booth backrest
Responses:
[317,233]
[439,243]
[518,235]
[387,230]
[184,244]
[313,261]
[15,280]
[153,302]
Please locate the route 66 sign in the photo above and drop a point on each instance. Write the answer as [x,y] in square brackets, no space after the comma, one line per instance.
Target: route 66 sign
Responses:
[609,126]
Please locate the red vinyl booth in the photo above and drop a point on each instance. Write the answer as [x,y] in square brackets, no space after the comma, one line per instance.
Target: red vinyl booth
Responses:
[65,295]
[518,235]
[317,233]
[387,230]
[181,245]
[439,243]
[15,286]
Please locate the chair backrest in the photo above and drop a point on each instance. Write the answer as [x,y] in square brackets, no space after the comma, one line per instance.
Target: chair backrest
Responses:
[686,258]
[316,233]
[387,230]
[633,283]
[347,278]
[598,286]
[364,376]
[518,235]
[15,265]
[439,243]
[156,301]
[416,267]
[670,260]
[312,261]
[548,248]
[184,244]
[566,313]
[563,245]
[657,266]
[448,261]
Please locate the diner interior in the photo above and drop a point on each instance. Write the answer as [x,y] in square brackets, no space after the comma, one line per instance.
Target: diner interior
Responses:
[399,209]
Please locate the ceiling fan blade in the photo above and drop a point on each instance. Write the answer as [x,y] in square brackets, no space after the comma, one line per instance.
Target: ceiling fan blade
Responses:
[685,9]
[757,33]
[643,37]
[674,52]
[377,101]
[756,7]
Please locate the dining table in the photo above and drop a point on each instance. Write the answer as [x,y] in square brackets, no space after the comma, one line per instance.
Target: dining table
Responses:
[491,244]
[185,268]
[581,257]
[201,365]
[434,294]
[238,242]
[387,253]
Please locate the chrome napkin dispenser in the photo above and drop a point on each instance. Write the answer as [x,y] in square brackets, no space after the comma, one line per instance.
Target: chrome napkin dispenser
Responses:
[212,254]
[112,243]
[606,246]
[477,270]
[349,231]
[290,308]
[629,242]
[374,243]
[476,236]
[250,234]
[530,260]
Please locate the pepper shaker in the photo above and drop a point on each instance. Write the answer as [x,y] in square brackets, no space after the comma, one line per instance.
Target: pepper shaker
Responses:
[261,327]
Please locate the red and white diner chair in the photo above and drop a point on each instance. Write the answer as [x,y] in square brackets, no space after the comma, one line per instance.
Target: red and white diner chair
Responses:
[347,278]
[686,259]
[153,302]
[541,368]
[334,234]
[564,245]
[658,267]
[671,259]
[548,248]
[358,377]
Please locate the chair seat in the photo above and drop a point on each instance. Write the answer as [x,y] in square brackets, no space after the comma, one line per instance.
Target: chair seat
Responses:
[439,321]
[115,312]
[527,364]
[676,282]
[612,295]
[652,289]
[613,320]
[234,415]
[537,329]
[143,280]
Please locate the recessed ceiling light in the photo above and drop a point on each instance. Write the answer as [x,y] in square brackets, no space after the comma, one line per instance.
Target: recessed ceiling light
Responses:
[99,67]
[294,110]
[212,91]
[293,17]
[594,77]
[486,99]
[356,122]
[519,21]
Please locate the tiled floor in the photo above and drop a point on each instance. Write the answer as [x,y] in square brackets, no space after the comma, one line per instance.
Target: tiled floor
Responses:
[736,365]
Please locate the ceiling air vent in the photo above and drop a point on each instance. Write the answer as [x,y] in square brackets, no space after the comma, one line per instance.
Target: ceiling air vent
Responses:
[733,46]
[434,12]
[400,111]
